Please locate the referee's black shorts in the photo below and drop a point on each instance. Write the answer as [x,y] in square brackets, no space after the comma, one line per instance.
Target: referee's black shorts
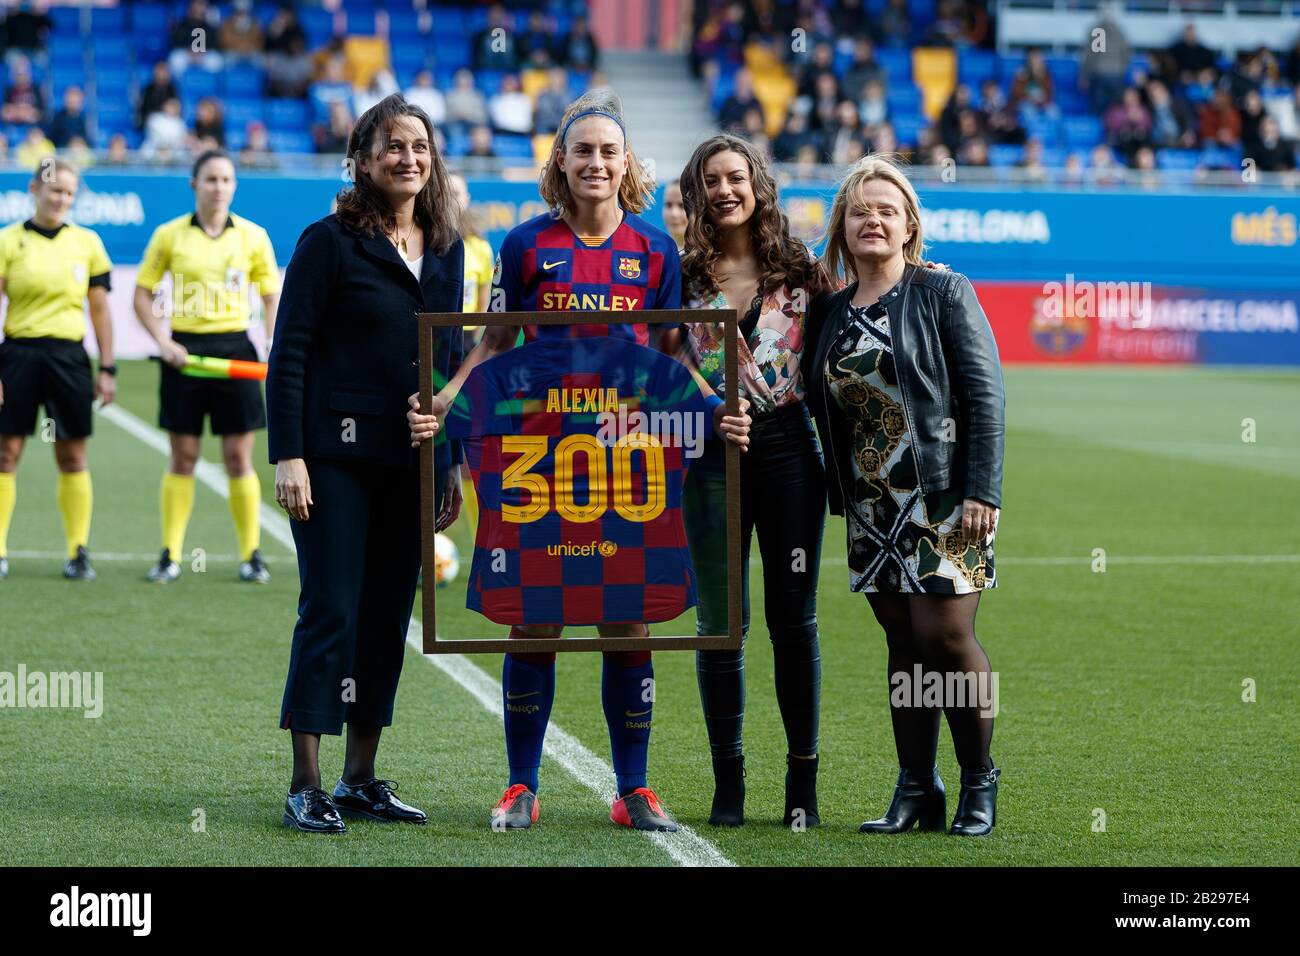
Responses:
[50,372]
[236,405]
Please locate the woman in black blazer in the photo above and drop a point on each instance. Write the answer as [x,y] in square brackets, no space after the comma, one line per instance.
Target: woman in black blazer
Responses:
[903,379]
[342,363]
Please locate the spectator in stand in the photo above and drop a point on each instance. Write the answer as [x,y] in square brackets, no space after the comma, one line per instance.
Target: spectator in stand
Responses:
[25,33]
[496,46]
[895,24]
[947,25]
[998,117]
[884,140]
[754,129]
[160,88]
[537,44]
[1252,116]
[283,29]
[1248,74]
[466,107]
[975,152]
[210,121]
[34,147]
[1220,120]
[793,137]
[257,153]
[240,36]
[974,23]
[949,120]
[1144,164]
[289,72]
[1031,165]
[510,109]
[196,40]
[873,109]
[849,18]
[24,103]
[1128,124]
[1286,110]
[332,137]
[426,96]
[381,86]
[1201,90]
[864,68]
[578,50]
[1293,64]
[1191,56]
[118,152]
[1074,173]
[1032,92]
[552,101]
[935,154]
[480,142]
[1170,120]
[970,126]
[79,153]
[819,64]
[165,132]
[821,111]
[731,116]
[1103,169]
[721,37]
[70,120]
[1105,59]
[1271,153]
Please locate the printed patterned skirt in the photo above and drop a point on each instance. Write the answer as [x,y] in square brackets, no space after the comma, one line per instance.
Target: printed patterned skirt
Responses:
[900,541]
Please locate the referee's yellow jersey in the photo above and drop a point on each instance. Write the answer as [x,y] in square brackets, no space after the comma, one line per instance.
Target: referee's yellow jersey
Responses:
[478,270]
[210,276]
[47,275]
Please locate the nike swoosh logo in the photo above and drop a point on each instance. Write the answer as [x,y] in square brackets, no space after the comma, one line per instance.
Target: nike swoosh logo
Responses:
[552,265]
[641,714]
[531,693]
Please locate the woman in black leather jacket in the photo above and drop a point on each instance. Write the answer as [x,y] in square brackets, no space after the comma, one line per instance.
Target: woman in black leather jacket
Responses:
[904,382]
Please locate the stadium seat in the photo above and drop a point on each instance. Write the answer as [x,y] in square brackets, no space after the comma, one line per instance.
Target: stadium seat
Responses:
[112,82]
[360,22]
[242,112]
[935,72]
[974,66]
[1046,130]
[403,24]
[1005,154]
[197,83]
[1009,65]
[318,24]
[114,115]
[286,114]
[111,50]
[150,18]
[907,128]
[1082,131]
[67,50]
[511,146]
[489,82]
[1064,70]
[897,64]
[287,142]
[107,20]
[1177,158]
[903,99]
[244,80]
[66,20]
[451,52]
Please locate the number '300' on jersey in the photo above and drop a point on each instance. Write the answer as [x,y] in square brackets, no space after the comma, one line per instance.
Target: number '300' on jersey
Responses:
[580,517]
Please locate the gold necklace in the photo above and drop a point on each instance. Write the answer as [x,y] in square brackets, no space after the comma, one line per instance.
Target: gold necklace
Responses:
[401,243]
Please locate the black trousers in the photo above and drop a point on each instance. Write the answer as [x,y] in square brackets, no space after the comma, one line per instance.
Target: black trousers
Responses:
[358,562]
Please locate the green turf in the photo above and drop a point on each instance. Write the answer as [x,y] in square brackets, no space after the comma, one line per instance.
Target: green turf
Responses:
[1120,691]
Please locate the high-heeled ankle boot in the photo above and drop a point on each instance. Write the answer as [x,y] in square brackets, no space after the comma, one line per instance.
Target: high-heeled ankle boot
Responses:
[919,800]
[728,792]
[977,806]
[801,791]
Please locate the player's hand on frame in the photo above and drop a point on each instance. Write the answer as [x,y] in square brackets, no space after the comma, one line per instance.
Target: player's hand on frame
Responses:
[978,521]
[293,488]
[733,428]
[173,353]
[424,427]
[452,498]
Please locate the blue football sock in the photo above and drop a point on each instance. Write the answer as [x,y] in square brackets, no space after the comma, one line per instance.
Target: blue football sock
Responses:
[528,691]
[627,694]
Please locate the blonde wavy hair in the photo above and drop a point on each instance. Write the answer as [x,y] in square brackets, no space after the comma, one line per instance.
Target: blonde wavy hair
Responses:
[635,192]
[836,258]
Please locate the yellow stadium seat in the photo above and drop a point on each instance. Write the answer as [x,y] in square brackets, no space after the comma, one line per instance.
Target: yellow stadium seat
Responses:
[364,57]
[934,70]
[533,82]
[542,144]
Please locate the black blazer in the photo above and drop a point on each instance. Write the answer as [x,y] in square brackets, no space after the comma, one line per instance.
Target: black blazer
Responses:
[346,345]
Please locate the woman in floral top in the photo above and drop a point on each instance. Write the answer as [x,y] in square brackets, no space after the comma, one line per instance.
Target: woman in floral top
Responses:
[739,254]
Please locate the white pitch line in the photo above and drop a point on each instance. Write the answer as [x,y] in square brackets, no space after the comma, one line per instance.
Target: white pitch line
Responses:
[110,556]
[685,847]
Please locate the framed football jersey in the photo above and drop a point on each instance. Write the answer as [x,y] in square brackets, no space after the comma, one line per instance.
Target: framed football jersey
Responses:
[578,448]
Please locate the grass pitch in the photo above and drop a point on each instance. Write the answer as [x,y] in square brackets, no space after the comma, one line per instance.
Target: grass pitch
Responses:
[1121,691]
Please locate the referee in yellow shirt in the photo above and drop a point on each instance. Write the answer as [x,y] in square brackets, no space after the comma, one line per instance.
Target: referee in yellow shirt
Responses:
[49,270]
[215,258]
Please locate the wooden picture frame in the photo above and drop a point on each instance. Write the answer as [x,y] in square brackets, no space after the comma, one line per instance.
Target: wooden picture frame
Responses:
[432,644]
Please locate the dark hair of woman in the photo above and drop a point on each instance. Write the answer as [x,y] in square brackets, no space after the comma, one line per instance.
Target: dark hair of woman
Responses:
[363,208]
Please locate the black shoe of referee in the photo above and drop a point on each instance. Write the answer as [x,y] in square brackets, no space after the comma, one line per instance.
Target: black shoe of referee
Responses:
[254,570]
[166,570]
[78,567]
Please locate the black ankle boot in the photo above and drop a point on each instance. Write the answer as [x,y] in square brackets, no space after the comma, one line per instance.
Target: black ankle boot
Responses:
[977,807]
[801,791]
[728,792]
[919,800]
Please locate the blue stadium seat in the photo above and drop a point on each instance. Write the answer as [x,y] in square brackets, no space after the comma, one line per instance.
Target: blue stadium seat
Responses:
[318,24]
[1082,131]
[114,114]
[196,83]
[1054,157]
[150,18]
[511,146]
[107,20]
[451,52]
[111,50]
[974,66]
[1045,129]
[1009,65]
[66,49]
[244,80]
[1064,70]
[403,23]
[1004,154]
[907,127]
[360,22]
[1177,158]
[239,113]
[903,99]
[451,20]
[286,114]
[236,137]
[66,20]
[286,142]
[897,63]
[489,81]
[1219,157]
[113,82]
[64,75]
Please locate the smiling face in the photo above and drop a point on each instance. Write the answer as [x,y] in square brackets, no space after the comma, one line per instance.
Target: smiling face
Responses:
[674,211]
[876,226]
[728,190]
[399,163]
[214,184]
[593,160]
[54,195]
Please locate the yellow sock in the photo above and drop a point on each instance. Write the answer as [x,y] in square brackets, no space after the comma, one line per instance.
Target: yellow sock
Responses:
[245,508]
[177,503]
[75,502]
[8,495]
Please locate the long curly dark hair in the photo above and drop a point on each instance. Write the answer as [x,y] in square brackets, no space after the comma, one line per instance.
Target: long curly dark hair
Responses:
[364,209]
[782,259]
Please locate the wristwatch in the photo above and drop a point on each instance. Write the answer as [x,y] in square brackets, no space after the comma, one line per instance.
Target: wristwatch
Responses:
[109,370]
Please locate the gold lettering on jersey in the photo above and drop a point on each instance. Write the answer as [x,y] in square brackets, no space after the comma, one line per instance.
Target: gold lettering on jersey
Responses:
[569,400]
[587,302]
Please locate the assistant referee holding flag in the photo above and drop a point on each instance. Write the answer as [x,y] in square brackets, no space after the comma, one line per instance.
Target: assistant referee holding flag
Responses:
[213,257]
[49,270]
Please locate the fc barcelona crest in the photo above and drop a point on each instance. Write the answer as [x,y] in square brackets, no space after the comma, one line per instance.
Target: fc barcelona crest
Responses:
[629,267]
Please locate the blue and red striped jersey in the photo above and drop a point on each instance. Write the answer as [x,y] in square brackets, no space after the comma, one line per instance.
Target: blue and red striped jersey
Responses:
[544,266]
[580,500]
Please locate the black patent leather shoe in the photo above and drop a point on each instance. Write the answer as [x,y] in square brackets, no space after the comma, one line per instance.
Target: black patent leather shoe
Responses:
[374,800]
[977,807]
[919,800]
[801,793]
[728,792]
[312,811]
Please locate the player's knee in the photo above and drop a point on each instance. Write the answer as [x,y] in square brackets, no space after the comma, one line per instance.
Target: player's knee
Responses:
[940,641]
